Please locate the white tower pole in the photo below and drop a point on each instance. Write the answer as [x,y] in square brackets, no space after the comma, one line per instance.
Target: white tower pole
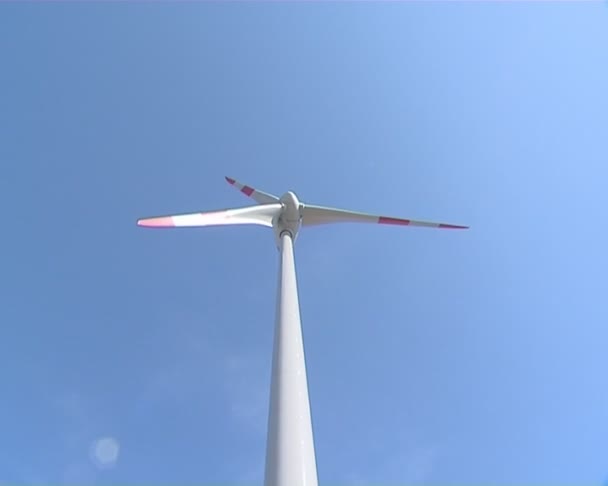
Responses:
[290,453]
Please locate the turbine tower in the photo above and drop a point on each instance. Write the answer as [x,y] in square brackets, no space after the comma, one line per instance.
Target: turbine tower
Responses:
[290,453]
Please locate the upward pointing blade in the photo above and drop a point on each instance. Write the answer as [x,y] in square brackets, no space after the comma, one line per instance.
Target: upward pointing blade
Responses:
[261,215]
[315,215]
[255,194]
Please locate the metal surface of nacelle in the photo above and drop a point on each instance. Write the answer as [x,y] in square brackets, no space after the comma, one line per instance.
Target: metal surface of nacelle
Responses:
[290,217]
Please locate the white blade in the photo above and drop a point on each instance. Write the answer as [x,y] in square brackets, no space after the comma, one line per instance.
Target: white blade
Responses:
[315,215]
[261,215]
[255,194]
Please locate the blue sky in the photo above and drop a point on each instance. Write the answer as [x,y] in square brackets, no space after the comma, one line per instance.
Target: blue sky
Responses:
[434,357]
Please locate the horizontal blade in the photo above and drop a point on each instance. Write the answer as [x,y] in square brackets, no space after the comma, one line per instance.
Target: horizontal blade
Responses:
[261,215]
[315,215]
[255,194]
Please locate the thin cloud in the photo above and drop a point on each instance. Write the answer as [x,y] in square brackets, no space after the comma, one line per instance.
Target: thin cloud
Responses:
[79,472]
[246,391]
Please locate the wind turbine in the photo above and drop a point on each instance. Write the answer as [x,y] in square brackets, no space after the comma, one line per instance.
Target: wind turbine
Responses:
[290,453]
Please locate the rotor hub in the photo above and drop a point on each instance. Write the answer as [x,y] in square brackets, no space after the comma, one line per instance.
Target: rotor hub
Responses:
[290,217]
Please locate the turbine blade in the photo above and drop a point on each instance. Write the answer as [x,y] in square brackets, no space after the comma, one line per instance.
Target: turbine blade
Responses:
[257,195]
[315,215]
[261,215]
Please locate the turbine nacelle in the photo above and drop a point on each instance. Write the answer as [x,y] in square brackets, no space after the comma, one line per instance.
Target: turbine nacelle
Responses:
[291,204]
[290,217]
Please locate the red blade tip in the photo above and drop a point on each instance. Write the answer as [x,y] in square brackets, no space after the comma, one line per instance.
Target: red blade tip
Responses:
[163,221]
